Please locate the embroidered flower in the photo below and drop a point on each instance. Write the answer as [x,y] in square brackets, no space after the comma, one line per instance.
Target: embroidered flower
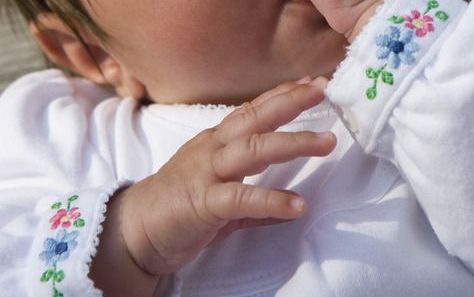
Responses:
[64,218]
[422,24]
[56,250]
[397,47]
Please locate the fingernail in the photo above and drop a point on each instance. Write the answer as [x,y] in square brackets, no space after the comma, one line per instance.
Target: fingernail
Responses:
[319,82]
[326,135]
[297,204]
[305,80]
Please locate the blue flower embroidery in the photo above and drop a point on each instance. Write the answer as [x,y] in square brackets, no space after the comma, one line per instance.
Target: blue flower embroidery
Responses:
[58,249]
[397,47]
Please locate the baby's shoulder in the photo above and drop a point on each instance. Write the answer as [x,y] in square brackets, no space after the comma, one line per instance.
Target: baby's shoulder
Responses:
[38,90]
[50,115]
[49,103]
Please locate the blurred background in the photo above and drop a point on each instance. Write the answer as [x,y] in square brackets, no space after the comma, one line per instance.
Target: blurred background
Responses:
[18,53]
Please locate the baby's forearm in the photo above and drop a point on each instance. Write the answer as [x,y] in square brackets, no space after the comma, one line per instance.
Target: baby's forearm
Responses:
[113,269]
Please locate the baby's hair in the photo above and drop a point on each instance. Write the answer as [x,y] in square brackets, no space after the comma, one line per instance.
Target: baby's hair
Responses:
[71,12]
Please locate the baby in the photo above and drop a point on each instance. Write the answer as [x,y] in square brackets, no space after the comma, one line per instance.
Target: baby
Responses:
[193,196]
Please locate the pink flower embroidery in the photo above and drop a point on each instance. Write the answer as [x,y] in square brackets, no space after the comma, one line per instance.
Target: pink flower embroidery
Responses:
[64,218]
[422,24]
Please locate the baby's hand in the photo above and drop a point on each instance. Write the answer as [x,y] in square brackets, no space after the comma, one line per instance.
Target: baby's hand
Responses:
[198,197]
[347,16]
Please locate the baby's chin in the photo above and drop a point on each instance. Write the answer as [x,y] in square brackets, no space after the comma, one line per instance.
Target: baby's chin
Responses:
[235,92]
[301,44]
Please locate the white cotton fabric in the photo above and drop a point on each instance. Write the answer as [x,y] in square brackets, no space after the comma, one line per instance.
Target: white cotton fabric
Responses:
[424,124]
[390,210]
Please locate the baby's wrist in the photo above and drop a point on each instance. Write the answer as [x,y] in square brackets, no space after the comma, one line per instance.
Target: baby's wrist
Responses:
[113,270]
[363,20]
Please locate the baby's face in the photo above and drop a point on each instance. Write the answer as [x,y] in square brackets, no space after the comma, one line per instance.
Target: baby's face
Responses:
[217,51]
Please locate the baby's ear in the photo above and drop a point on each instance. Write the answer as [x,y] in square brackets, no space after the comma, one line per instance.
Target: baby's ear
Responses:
[84,57]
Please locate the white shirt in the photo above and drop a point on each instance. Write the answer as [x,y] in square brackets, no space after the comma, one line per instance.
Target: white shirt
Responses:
[390,210]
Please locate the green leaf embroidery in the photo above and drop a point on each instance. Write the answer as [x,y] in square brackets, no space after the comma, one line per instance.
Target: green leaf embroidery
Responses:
[79,223]
[396,19]
[374,75]
[72,198]
[56,205]
[371,73]
[56,293]
[59,276]
[47,275]
[441,15]
[371,93]
[387,77]
[54,275]
[433,4]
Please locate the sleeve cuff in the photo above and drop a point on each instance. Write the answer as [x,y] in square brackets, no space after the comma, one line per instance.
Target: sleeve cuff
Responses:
[384,60]
[67,240]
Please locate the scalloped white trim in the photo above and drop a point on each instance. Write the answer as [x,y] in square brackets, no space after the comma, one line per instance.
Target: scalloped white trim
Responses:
[96,230]
[204,116]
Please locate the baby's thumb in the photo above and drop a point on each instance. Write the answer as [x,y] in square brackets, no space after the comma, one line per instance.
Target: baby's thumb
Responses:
[340,17]
[344,16]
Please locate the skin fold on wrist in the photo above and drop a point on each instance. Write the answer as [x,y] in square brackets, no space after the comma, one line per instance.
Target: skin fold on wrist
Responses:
[113,269]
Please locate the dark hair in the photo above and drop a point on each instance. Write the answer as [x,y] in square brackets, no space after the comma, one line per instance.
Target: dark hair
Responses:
[71,12]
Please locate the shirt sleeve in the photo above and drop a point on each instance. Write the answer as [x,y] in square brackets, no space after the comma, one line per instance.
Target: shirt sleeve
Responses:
[54,186]
[406,93]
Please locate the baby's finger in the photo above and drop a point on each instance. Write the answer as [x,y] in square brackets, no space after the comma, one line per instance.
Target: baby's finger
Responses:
[271,114]
[253,154]
[234,201]
[282,88]
[235,225]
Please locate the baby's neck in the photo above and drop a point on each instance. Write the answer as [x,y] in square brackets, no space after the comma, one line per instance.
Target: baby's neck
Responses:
[230,102]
